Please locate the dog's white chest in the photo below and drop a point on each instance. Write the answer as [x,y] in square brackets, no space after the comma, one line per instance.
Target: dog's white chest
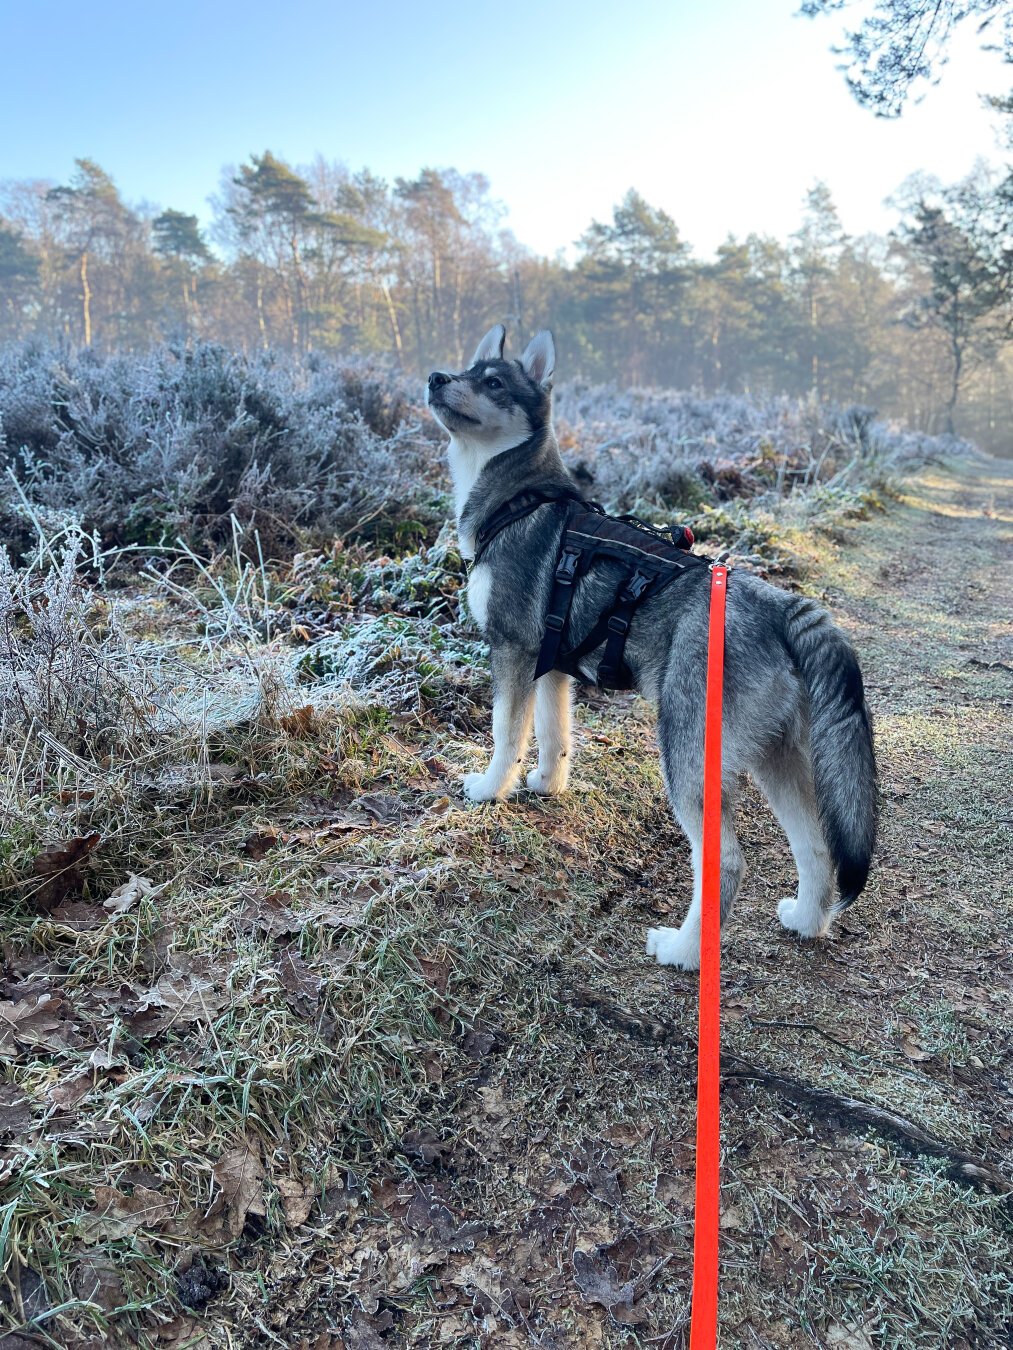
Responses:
[479,589]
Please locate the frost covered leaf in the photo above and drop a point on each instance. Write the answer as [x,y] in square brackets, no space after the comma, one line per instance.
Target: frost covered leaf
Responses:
[71,1090]
[37,1022]
[384,808]
[118,1215]
[424,1144]
[15,1110]
[297,978]
[848,1338]
[240,1175]
[296,1200]
[124,897]
[595,1277]
[186,997]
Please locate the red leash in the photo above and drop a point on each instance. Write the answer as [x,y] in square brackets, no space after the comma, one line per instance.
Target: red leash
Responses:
[704,1325]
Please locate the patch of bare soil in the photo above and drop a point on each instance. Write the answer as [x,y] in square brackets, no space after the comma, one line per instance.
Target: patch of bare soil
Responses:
[547,1198]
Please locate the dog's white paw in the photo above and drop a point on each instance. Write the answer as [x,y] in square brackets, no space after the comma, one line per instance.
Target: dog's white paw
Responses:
[546,784]
[673,947]
[479,787]
[802,924]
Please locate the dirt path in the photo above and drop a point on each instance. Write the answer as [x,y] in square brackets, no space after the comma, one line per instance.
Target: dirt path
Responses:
[555,1210]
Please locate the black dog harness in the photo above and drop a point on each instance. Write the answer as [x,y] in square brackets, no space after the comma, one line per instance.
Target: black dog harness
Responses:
[654,558]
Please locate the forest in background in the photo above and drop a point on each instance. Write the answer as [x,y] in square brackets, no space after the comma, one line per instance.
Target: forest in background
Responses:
[916,325]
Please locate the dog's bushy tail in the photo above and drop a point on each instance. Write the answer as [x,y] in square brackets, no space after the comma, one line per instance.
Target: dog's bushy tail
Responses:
[840,739]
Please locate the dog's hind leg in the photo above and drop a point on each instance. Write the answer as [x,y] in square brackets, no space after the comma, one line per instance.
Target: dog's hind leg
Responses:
[786,781]
[552,732]
[681,946]
[513,705]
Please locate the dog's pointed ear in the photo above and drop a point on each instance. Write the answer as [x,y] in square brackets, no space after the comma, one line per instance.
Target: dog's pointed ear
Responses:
[539,359]
[491,346]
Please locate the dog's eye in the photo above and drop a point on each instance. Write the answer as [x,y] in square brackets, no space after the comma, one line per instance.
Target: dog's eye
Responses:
[493,382]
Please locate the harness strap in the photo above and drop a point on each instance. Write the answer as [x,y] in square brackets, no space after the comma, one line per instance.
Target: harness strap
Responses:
[518,506]
[560,600]
[617,625]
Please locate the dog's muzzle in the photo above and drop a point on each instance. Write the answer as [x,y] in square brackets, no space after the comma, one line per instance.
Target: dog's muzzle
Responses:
[437,380]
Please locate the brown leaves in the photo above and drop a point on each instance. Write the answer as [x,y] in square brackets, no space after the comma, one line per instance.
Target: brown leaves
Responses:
[297,979]
[300,723]
[37,1023]
[596,1278]
[119,1215]
[424,1144]
[15,1111]
[240,1175]
[296,1200]
[59,868]
[429,1215]
[372,811]
[270,915]
[185,996]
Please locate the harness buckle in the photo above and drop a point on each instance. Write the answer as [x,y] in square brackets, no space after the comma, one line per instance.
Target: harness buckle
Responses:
[567,568]
[637,584]
[617,624]
[554,622]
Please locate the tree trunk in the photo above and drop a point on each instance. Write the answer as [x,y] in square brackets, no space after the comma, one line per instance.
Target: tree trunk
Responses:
[86,298]
[395,327]
[260,310]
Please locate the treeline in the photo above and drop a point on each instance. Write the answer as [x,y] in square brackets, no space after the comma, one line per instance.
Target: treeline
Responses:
[916,325]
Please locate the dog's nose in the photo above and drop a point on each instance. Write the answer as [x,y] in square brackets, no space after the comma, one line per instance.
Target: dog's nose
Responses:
[436,379]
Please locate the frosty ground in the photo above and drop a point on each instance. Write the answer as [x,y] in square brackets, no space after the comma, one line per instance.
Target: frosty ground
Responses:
[302,1050]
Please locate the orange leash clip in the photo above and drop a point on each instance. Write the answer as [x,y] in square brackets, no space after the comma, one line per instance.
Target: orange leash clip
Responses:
[704,1323]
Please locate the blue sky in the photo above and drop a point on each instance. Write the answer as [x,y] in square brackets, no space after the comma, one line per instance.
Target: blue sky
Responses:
[721,112]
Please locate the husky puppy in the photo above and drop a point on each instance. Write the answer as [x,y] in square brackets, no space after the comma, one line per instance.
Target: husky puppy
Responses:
[795,716]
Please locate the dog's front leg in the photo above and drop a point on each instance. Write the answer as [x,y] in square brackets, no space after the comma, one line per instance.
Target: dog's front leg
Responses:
[513,703]
[552,731]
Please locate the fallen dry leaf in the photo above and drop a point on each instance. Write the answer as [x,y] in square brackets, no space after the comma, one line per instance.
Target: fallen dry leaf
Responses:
[240,1175]
[35,1022]
[70,1091]
[296,1200]
[15,1110]
[95,1281]
[300,721]
[595,1277]
[384,808]
[297,978]
[59,868]
[124,897]
[186,997]
[117,1215]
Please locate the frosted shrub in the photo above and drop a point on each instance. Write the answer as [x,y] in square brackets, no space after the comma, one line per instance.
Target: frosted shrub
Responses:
[180,441]
[177,441]
[667,446]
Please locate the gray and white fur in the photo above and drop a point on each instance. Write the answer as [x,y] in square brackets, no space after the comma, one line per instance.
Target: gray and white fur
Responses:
[795,716]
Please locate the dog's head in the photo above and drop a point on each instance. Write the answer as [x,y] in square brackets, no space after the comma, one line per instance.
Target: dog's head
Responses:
[496,404]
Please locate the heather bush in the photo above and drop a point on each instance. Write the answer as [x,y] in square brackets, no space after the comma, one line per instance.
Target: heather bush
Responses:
[676,448]
[192,442]
[178,441]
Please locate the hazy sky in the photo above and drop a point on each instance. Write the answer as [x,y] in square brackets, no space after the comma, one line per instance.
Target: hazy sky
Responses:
[723,113]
